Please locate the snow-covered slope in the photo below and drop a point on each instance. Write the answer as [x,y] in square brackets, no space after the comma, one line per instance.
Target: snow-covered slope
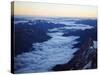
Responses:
[84,58]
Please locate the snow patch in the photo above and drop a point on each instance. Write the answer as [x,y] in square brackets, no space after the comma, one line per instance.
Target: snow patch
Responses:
[95,44]
[88,65]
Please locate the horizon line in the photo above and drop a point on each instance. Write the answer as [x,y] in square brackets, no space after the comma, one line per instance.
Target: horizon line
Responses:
[55,16]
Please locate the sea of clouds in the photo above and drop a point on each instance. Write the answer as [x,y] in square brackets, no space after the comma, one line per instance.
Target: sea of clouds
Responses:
[44,56]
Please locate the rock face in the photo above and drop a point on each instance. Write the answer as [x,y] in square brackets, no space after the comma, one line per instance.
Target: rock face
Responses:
[85,58]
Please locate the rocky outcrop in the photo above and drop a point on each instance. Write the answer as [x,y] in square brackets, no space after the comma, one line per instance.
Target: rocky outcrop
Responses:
[84,58]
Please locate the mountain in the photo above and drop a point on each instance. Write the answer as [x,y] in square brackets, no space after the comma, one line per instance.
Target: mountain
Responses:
[85,58]
[27,33]
[58,44]
[92,22]
[84,35]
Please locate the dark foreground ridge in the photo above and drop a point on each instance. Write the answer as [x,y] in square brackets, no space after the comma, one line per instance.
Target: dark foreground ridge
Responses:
[85,58]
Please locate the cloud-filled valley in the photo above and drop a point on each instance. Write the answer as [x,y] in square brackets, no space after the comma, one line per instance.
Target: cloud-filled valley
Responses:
[58,49]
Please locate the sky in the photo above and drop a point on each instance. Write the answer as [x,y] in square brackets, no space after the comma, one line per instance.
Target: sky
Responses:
[54,10]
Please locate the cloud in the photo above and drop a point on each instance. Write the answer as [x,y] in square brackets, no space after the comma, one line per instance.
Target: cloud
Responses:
[22,21]
[70,23]
[72,26]
[57,50]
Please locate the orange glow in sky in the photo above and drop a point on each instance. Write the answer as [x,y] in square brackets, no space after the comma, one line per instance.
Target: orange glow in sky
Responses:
[55,10]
